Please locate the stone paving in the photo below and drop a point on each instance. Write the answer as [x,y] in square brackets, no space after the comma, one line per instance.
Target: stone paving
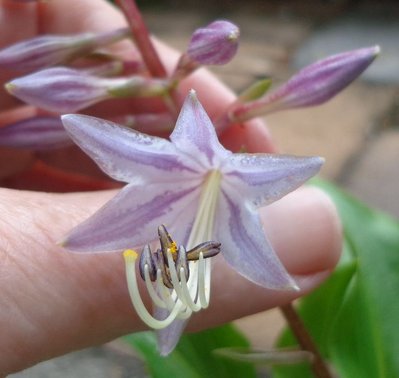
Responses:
[357,132]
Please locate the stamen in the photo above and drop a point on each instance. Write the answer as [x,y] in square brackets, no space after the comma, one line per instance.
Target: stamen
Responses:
[166,242]
[130,262]
[164,292]
[177,280]
[202,278]
[154,296]
[190,295]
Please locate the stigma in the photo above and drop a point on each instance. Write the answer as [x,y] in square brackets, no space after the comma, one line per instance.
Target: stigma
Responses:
[176,279]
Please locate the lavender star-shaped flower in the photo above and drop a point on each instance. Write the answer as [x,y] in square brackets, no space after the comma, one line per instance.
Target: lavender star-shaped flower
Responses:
[165,180]
[202,192]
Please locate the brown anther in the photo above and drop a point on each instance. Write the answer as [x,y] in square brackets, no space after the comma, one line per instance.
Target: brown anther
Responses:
[167,243]
[146,258]
[159,258]
[208,249]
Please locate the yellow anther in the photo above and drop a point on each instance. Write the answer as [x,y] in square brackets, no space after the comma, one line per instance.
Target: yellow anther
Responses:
[173,248]
[130,254]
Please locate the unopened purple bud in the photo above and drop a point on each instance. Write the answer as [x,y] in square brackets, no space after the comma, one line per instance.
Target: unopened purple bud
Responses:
[49,50]
[59,89]
[216,43]
[36,133]
[313,85]
[68,90]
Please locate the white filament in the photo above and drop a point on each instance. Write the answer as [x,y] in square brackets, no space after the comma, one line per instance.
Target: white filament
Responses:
[189,296]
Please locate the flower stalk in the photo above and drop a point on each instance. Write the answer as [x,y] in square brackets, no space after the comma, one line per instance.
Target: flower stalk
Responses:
[319,367]
[142,38]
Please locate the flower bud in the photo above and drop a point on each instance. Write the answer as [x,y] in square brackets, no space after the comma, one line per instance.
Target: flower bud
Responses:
[59,89]
[216,43]
[313,85]
[67,90]
[49,50]
[36,133]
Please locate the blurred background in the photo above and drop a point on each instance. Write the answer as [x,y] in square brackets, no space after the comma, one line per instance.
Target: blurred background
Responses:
[357,132]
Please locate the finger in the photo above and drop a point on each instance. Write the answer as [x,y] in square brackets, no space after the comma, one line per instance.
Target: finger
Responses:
[252,136]
[53,301]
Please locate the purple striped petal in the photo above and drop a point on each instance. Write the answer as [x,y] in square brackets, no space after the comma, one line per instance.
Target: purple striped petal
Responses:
[128,155]
[265,178]
[36,133]
[168,337]
[132,217]
[244,245]
[195,136]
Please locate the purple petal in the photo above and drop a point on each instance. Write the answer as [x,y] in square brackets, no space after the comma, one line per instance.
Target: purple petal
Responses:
[265,178]
[132,217]
[37,133]
[195,135]
[168,337]
[127,155]
[216,43]
[244,245]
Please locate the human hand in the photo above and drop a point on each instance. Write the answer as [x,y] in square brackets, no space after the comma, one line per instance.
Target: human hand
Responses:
[53,301]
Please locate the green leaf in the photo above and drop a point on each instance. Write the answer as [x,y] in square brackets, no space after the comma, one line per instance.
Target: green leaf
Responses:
[373,298]
[194,357]
[255,91]
[318,311]
[353,316]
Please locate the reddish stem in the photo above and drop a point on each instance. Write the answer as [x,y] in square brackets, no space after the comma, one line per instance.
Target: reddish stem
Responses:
[142,38]
[306,342]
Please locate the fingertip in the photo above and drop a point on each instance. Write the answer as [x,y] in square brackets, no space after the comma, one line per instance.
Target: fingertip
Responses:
[305,230]
[252,136]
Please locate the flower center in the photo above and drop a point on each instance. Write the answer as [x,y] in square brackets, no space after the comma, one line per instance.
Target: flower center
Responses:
[178,280]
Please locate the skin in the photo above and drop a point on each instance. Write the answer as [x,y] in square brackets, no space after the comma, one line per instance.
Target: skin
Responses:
[52,301]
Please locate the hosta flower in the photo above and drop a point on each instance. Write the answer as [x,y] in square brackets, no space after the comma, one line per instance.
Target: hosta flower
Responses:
[199,190]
